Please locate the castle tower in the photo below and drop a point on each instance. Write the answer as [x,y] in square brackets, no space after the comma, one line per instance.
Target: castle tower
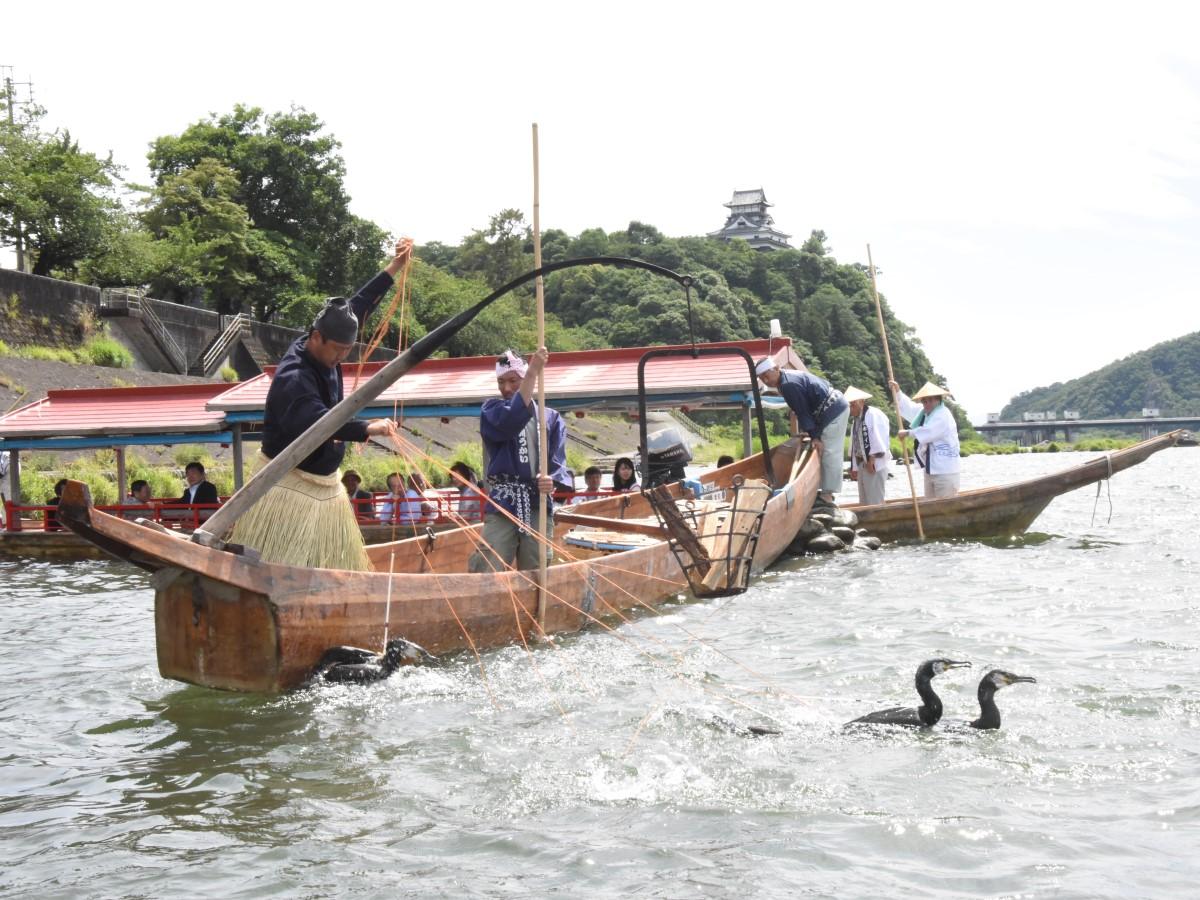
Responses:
[750,221]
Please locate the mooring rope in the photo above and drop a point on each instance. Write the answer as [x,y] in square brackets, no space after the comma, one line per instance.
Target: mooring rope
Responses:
[1107,481]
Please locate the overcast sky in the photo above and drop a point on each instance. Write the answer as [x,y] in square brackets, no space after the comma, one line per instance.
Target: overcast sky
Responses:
[1026,173]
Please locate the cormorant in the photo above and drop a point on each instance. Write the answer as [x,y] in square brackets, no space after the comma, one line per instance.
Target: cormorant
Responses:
[989,714]
[354,665]
[930,710]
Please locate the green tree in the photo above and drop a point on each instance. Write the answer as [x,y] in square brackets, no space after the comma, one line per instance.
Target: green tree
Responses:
[290,185]
[62,196]
[205,250]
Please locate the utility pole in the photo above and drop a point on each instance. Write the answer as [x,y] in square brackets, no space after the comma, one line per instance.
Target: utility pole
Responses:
[10,101]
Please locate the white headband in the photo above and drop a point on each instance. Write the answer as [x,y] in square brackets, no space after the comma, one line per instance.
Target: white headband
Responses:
[765,366]
[512,363]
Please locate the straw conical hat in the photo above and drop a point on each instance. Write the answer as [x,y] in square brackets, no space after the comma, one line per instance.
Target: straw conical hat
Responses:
[931,390]
[852,393]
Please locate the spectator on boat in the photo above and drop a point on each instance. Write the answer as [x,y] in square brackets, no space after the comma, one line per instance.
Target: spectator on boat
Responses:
[935,435]
[624,477]
[407,503]
[591,482]
[724,460]
[508,425]
[821,412]
[51,522]
[362,501]
[470,497]
[870,446]
[139,496]
[199,489]
[303,520]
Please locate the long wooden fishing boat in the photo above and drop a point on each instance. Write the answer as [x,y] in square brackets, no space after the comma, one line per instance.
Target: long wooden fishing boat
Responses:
[224,619]
[1002,511]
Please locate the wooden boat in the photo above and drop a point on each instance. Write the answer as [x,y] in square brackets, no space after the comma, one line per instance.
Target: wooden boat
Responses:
[998,511]
[226,620]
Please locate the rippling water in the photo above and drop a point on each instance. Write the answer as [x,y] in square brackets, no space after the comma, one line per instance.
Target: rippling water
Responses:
[594,765]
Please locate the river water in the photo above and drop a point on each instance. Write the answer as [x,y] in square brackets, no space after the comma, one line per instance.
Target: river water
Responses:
[594,765]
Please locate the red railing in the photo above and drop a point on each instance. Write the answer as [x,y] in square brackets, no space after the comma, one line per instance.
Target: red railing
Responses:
[451,507]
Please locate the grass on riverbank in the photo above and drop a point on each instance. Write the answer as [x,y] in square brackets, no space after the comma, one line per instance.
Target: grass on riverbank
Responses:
[99,350]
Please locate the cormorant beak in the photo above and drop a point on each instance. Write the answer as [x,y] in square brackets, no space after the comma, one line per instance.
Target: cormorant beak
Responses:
[1017,679]
[955,664]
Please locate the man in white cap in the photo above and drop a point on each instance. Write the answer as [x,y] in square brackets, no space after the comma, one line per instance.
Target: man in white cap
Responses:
[509,428]
[821,411]
[870,448]
[936,435]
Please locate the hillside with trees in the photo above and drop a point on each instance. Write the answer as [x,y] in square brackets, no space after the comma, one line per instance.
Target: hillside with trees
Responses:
[248,212]
[1165,377]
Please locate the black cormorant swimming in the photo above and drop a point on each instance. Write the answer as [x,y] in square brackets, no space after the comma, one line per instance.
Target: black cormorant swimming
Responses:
[354,665]
[930,710]
[989,714]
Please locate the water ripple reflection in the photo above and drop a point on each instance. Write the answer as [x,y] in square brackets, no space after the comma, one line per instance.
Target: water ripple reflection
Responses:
[601,762]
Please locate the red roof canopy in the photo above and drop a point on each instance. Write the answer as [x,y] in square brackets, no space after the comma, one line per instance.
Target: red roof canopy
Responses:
[161,409]
[591,377]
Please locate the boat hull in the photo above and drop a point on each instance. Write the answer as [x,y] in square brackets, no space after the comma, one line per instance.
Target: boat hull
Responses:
[998,512]
[229,621]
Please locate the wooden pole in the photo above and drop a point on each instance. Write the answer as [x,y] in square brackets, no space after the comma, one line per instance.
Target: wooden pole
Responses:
[887,355]
[543,462]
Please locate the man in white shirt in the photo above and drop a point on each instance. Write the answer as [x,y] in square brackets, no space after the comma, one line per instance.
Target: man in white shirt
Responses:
[936,432]
[870,447]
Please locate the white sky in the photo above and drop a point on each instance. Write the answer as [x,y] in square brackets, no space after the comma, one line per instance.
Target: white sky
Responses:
[1026,173]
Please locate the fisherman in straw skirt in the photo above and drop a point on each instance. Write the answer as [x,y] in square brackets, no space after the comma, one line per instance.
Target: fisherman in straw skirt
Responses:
[509,428]
[821,411]
[870,449]
[306,519]
[936,433]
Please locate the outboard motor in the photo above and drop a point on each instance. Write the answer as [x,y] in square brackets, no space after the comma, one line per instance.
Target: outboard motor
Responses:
[666,455]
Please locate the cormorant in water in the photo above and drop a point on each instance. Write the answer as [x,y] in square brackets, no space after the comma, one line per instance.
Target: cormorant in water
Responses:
[354,665]
[930,710]
[989,714]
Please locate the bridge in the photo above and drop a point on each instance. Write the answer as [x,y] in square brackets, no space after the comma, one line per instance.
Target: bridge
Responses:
[1028,433]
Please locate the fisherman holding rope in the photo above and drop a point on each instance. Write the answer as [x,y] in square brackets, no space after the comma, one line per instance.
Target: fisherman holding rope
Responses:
[305,519]
[821,411]
[509,429]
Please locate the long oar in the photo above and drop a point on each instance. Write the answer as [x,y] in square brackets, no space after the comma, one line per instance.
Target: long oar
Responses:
[217,525]
[543,466]
[887,355]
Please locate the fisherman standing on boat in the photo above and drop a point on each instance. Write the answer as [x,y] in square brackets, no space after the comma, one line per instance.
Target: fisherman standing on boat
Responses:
[870,448]
[936,435]
[509,429]
[305,519]
[821,411]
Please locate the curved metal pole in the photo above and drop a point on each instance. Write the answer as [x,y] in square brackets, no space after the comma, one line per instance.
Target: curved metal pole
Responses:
[696,352]
[213,530]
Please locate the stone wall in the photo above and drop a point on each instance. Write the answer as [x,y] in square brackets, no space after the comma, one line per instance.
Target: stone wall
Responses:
[45,311]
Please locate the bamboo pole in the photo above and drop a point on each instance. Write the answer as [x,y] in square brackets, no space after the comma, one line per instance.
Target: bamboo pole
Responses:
[887,355]
[543,462]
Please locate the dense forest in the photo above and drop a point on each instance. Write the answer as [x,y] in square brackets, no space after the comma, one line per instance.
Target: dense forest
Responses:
[247,212]
[1165,377]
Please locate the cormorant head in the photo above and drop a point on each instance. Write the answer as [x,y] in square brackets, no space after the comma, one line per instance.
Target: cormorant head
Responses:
[998,678]
[932,667]
[400,651]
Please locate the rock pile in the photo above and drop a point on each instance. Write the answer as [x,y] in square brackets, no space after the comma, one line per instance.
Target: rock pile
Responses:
[829,529]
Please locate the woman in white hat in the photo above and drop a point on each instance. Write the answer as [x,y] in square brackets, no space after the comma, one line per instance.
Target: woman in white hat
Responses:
[936,433]
[870,447]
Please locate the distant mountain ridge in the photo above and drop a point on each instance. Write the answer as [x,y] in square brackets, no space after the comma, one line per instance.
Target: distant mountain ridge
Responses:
[1165,377]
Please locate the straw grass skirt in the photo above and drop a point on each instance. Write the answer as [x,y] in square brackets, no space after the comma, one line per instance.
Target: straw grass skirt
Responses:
[304,520]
